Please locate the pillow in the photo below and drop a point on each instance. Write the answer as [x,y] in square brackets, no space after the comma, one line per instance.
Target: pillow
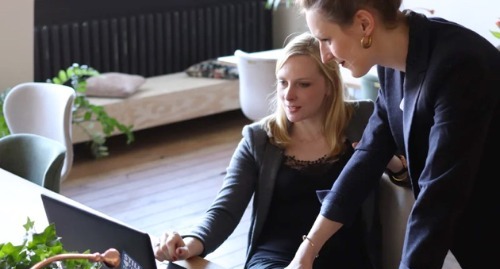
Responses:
[212,69]
[115,85]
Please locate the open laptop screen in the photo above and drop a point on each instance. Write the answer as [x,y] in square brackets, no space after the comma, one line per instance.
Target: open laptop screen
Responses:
[82,230]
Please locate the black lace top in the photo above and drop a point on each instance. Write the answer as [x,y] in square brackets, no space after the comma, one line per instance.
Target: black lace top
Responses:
[294,208]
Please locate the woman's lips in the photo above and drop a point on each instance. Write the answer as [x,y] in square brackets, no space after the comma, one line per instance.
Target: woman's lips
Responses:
[293,108]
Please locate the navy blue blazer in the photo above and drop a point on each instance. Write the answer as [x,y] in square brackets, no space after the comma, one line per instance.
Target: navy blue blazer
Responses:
[443,114]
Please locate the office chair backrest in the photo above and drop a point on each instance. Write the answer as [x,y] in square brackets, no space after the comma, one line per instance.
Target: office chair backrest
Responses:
[385,211]
[33,157]
[44,109]
[257,81]
[394,202]
[362,112]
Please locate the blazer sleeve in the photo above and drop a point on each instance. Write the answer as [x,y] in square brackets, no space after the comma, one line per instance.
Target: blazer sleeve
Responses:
[363,171]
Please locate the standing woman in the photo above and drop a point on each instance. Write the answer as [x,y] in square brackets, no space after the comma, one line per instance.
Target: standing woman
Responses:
[438,103]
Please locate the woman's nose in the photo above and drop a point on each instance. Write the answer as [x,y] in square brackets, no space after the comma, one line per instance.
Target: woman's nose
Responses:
[289,93]
[326,55]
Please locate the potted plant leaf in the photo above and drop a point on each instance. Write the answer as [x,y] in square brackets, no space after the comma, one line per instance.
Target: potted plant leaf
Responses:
[36,247]
[85,114]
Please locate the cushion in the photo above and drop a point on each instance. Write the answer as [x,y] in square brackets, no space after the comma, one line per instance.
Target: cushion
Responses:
[115,85]
[213,69]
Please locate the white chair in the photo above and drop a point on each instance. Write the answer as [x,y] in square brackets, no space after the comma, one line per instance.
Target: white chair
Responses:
[257,81]
[44,109]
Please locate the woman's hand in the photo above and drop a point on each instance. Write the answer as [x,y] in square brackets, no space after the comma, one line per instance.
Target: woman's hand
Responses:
[297,265]
[171,247]
[304,257]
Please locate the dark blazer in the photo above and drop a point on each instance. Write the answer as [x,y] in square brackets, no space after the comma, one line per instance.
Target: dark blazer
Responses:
[443,114]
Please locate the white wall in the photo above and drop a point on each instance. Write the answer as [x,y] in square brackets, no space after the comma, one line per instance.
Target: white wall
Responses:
[286,22]
[478,15]
[16,46]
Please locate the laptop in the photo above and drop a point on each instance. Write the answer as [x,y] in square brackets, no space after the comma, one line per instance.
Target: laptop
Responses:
[81,230]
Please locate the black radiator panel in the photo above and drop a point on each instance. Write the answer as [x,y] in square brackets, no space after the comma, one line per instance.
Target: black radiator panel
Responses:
[148,38]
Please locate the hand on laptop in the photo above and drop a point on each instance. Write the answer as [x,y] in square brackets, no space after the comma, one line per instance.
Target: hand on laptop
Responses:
[172,247]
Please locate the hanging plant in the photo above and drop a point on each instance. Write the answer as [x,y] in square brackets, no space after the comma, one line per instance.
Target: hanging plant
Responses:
[85,115]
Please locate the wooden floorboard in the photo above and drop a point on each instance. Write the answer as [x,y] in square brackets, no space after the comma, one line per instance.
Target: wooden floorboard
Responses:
[165,180]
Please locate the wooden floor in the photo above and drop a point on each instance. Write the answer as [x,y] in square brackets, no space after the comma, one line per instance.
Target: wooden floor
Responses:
[165,180]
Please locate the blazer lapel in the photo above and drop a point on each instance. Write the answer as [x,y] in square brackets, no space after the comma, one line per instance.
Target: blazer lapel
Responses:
[416,66]
[270,163]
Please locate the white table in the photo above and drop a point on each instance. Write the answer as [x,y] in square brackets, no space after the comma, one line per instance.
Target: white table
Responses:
[349,80]
[21,199]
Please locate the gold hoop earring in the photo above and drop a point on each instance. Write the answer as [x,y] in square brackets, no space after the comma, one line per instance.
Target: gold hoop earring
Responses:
[366,42]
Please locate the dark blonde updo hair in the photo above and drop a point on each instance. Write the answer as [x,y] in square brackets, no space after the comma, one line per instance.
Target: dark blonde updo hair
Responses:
[342,11]
[337,112]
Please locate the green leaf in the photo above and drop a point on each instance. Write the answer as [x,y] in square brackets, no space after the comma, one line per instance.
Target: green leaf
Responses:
[496,34]
[56,80]
[4,129]
[70,72]
[87,116]
[62,76]
[29,225]
[37,247]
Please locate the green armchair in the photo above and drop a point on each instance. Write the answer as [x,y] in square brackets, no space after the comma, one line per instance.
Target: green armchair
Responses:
[34,158]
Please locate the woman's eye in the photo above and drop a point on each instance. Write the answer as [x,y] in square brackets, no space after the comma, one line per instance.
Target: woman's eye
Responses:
[282,83]
[327,41]
[304,84]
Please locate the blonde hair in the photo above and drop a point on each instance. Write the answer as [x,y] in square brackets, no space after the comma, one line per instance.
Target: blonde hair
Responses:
[337,113]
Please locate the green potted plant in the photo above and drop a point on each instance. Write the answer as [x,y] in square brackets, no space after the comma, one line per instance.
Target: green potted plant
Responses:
[36,247]
[85,114]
